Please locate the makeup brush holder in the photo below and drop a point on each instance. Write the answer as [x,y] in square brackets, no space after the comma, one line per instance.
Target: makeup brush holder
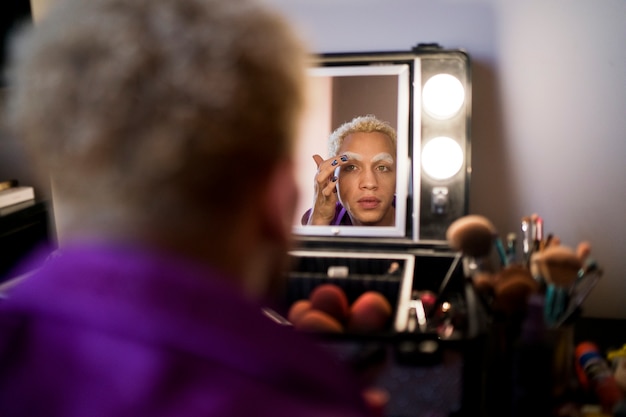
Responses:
[530,368]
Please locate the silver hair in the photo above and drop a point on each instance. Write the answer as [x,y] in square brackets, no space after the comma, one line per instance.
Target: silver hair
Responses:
[146,106]
[360,124]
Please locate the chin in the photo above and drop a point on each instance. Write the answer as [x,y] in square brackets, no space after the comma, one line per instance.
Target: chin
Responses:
[370,220]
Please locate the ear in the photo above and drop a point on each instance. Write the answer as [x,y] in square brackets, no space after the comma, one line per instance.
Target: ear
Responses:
[279,202]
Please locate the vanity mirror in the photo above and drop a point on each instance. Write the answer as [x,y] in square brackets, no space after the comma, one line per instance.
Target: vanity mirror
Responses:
[424,94]
[338,94]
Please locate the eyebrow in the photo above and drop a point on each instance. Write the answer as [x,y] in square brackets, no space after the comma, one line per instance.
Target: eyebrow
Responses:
[383,157]
[353,155]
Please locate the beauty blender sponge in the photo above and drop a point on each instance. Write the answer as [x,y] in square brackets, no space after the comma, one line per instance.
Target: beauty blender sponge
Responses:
[370,312]
[297,310]
[332,300]
[318,322]
[473,235]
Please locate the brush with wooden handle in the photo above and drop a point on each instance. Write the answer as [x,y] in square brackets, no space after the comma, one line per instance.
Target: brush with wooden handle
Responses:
[473,236]
[559,267]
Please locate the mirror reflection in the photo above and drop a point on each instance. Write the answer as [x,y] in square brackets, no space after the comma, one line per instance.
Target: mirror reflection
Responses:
[357,184]
[352,152]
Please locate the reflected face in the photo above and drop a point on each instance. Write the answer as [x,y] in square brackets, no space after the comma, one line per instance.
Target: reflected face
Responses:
[367,183]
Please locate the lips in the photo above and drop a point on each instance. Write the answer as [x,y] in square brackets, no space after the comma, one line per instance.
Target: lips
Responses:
[368,202]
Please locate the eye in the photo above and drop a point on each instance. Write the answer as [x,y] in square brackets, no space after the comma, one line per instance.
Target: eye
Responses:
[349,168]
[383,168]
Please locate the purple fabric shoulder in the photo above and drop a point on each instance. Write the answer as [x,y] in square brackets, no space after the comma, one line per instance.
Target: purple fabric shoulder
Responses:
[120,330]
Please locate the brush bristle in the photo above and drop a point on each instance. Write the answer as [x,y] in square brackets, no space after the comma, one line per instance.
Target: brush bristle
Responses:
[472,234]
[559,265]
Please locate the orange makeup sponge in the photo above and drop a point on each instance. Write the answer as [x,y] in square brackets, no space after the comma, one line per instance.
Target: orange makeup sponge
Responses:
[332,300]
[370,312]
[297,310]
[318,322]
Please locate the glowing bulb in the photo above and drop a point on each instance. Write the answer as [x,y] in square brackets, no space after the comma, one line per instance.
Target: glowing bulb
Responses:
[442,158]
[442,96]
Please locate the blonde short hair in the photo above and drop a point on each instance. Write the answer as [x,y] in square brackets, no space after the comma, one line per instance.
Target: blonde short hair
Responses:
[146,106]
[360,124]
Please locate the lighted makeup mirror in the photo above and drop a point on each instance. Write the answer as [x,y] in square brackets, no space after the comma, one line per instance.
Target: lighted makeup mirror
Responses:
[425,95]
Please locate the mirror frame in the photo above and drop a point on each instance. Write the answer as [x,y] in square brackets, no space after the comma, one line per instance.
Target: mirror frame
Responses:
[404,75]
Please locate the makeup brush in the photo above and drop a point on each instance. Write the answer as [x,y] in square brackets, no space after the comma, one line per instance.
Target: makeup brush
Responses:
[526,237]
[583,251]
[512,288]
[559,266]
[536,224]
[472,234]
[588,277]
[511,248]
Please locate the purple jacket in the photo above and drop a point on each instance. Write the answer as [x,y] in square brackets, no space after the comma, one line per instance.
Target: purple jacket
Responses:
[120,331]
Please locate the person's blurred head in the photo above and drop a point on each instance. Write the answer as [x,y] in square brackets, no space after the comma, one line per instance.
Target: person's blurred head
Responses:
[367,184]
[162,119]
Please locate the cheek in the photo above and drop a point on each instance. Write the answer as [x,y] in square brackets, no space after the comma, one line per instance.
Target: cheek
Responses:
[347,182]
[388,179]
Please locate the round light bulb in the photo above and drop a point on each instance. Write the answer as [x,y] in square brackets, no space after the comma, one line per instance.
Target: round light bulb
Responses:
[442,158]
[442,96]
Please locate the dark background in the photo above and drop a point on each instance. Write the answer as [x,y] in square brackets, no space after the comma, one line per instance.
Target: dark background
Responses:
[14,13]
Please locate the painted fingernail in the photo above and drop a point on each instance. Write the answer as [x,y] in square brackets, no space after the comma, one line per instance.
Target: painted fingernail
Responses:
[334,162]
[334,178]
[344,158]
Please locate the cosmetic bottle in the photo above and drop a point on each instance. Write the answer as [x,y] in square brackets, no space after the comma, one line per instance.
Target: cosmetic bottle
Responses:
[595,375]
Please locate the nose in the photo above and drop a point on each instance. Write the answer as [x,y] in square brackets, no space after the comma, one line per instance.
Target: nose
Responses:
[368,180]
